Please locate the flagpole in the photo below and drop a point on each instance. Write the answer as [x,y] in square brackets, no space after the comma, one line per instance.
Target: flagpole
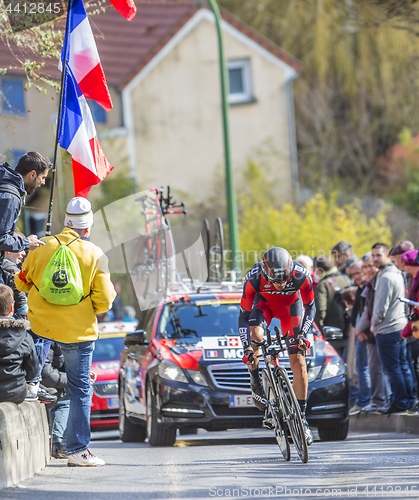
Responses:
[54,162]
[60,105]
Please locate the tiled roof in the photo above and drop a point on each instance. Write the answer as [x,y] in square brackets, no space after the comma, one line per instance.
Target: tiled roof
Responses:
[126,47]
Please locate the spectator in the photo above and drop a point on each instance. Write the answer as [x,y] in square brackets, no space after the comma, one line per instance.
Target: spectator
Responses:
[305,261]
[308,263]
[344,256]
[117,308]
[330,311]
[129,315]
[411,265]
[73,326]
[30,173]
[362,402]
[54,375]
[387,322]
[379,392]
[348,296]
[396,257]
[19,361]
[9,267]
[397,252]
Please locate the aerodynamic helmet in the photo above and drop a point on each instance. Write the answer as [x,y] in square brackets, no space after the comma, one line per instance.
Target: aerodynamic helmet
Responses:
[277,265]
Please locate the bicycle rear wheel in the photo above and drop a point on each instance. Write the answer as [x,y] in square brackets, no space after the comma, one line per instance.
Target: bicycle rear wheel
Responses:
[272,415]
[291,413]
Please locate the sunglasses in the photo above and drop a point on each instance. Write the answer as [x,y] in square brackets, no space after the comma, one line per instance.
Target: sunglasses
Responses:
[275,281]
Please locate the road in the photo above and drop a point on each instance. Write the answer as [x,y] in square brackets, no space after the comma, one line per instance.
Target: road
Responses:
[240,464]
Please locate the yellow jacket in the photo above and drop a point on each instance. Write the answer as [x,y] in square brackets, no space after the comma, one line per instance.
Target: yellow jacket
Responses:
[67,324]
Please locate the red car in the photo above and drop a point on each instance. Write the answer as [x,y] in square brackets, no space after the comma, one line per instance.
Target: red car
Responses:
[105,364]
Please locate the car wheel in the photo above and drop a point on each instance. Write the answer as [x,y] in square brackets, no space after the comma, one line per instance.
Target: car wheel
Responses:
[129,432]
[337,433]
[157,435]
[188,430]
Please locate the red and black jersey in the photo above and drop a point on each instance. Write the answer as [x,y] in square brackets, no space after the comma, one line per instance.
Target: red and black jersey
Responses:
[261,301]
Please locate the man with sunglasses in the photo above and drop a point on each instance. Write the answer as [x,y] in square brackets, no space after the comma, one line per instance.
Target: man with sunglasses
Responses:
[278,287]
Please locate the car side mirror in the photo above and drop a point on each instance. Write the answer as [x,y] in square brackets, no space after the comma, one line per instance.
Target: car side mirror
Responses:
[332,333]
[135,338]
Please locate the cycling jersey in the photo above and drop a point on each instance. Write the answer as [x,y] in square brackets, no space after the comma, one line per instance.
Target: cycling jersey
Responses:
[261,302]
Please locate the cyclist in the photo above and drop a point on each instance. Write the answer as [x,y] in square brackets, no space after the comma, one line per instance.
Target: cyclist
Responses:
[277,287]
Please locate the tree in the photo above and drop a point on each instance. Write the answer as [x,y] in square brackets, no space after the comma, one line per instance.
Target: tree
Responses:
[36,38]
[312,229]
[399,172]
[359,85]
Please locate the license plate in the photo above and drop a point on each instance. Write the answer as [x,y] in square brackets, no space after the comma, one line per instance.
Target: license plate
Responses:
[240,401]
[113,403]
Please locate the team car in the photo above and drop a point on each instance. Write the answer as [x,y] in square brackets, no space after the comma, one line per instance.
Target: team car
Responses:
[183,370]
[105,364]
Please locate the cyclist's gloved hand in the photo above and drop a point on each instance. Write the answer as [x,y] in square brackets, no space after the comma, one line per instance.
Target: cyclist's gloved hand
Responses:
[249,356]
[303,343]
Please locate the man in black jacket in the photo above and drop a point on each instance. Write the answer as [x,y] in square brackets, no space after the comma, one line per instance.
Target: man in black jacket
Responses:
[30,173]
[19,361]
[54,376]
[361,357]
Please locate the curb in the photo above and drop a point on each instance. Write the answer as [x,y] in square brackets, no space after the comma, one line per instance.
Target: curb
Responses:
[377,422]
[23,441]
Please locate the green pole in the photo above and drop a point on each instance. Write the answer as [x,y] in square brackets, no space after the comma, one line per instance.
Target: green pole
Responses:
[230,188]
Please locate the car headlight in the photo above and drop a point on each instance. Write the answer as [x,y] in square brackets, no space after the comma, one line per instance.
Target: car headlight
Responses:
[334,367]
[313,372]
[197,377]
[171,371]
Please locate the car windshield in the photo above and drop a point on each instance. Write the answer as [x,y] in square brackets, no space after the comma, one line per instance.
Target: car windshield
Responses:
[108,349]
[196,321]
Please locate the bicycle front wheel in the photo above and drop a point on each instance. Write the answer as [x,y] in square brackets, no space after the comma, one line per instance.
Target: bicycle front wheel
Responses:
[272,416]
[291,413]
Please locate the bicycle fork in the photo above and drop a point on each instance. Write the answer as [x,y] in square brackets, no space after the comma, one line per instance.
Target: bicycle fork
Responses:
[273,406]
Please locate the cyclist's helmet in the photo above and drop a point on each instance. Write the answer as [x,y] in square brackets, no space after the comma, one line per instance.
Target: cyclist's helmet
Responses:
[277,265]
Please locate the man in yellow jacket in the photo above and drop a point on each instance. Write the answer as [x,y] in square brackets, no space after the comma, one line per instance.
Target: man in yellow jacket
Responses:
[73,326]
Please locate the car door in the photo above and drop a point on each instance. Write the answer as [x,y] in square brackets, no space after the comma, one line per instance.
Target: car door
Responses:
[145,356]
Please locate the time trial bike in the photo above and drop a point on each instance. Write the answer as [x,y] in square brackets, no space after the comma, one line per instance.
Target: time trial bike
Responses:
[283,413]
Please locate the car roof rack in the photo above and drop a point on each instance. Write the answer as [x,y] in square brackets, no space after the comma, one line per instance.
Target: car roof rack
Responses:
[186,286]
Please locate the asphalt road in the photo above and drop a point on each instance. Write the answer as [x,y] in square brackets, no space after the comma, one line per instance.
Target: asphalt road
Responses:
[240,464]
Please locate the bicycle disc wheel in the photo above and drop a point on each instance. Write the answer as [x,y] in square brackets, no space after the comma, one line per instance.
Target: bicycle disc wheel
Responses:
[218,263]
[272,415]
[162,261]
[291,414]
[207,245]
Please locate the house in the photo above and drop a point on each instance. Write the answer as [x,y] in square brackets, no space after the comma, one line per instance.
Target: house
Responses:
[163,74]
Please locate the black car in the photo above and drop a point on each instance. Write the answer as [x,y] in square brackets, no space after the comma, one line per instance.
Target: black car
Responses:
[183,370]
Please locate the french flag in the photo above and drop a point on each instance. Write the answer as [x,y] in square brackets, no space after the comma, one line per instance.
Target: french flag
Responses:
[82,57]
[126,8]
[77,134]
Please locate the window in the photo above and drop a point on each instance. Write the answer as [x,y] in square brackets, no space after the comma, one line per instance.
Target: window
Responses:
[240,81]
[13,100]
[98,113]
[195,321]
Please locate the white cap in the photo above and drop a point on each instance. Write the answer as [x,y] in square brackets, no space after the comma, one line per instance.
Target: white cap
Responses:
[79,213]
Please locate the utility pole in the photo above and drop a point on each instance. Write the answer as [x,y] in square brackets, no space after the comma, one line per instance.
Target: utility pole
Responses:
[230,187]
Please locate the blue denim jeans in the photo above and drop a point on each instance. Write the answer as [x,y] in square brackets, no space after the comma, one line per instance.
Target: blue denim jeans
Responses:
[392,350]
[42,347]
[59,420]
[362,374]
[412,368]
[78,361]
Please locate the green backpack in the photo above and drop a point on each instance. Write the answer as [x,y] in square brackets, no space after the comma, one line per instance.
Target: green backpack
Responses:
[61,281]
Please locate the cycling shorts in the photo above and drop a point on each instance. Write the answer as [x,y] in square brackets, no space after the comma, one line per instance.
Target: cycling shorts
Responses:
[291,318]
